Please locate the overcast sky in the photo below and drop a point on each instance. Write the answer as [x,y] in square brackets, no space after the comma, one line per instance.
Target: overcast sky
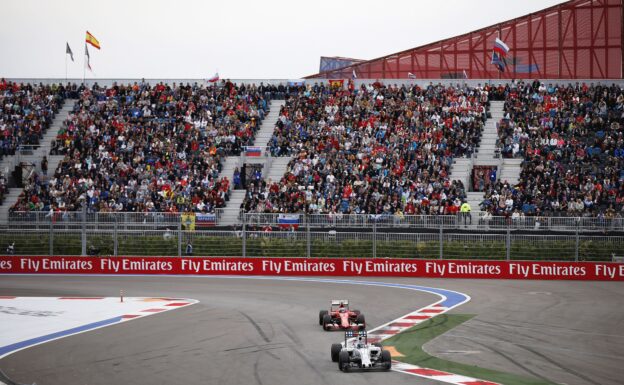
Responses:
[241,39]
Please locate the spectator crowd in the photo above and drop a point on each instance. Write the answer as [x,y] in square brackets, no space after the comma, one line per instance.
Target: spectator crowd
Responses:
[373,149]
[148,148]
[571,140]
[26,111]
[376,150]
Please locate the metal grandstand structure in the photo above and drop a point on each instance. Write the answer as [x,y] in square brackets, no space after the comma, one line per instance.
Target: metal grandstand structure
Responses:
[578,39]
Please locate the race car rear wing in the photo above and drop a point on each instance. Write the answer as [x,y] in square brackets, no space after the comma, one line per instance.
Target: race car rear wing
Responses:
[350,334]
[337,302]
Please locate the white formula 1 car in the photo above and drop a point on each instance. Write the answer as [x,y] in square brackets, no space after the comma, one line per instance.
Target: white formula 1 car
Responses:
[356,353]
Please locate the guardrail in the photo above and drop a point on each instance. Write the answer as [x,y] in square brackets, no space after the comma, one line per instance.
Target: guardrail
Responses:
[233,217]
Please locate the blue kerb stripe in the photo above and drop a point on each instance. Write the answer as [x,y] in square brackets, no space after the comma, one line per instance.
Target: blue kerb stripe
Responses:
[33,341]
[452,298]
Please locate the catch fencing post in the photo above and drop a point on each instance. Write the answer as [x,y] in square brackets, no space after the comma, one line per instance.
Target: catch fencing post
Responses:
[179,238]
[508,244]
[83,236]
[51,240]
[375,238]
[244,235]
[115,238]
[441,240]
[308,251]
[577,242]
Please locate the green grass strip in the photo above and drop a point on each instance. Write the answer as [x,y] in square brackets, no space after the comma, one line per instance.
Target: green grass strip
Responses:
[411,341]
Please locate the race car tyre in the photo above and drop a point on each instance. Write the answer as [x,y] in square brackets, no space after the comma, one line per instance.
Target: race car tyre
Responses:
[386,359]
[356,312]
[343,361]
[326,322]
[335,351]
[380,346]
[361,320]
[321,315]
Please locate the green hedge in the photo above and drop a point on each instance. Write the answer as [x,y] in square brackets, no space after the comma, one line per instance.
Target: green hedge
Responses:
[139,244]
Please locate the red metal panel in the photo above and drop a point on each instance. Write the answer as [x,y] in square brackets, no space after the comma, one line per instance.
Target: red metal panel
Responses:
[582,63]
[614,60]
[576,39]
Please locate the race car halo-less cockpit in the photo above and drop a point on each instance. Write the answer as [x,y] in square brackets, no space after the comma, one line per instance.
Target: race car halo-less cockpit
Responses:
[356,353]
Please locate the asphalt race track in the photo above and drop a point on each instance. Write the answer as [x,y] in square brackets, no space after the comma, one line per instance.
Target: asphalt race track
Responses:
[264,332]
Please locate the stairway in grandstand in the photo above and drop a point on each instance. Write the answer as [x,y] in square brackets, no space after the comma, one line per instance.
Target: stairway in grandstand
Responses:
[510,168]
[460,170]
[462,167]
[265,133]
[487,145]
[34,158]
[277,166]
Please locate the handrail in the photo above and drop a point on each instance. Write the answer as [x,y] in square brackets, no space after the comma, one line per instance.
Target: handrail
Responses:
[475,221]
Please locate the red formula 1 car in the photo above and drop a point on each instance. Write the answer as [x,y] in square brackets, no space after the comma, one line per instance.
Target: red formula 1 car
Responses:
[340,317]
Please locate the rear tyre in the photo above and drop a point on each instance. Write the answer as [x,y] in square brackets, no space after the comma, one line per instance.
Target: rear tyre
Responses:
[343,361]
[361,320]
[356,312]
[386,359]
[326,322]
[321,315]
[335,352]
[380,346]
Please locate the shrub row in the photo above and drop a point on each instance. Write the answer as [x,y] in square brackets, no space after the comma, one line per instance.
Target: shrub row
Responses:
[149,244]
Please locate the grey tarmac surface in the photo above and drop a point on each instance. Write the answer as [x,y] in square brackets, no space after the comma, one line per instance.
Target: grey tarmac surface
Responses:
[266,332]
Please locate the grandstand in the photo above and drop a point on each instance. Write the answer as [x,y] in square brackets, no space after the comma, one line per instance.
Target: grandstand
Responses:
[426,132]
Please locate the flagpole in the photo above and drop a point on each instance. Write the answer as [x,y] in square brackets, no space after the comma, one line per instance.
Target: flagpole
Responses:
[84,65]
[65,67]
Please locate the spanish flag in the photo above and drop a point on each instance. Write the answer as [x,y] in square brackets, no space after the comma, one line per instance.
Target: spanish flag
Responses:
[92,40]
[336,83]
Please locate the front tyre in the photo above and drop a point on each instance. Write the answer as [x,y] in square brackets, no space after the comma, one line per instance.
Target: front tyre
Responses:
[386,359]
[343,361]
[327,321]
[321,315]
[360,320]
[335,352]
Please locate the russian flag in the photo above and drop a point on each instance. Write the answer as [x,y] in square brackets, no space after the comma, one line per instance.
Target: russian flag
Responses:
[287,220]
[205,220]
[253,151]
[499,61]
[500,47]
